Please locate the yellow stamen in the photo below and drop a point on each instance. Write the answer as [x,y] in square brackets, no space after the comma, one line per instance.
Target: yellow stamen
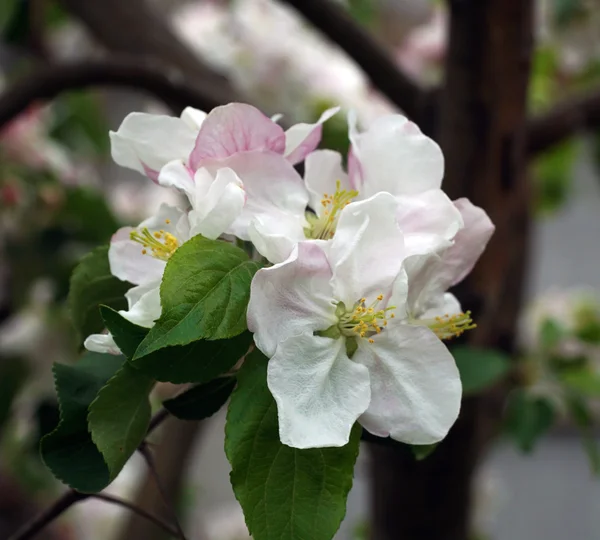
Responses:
[160,243]
[365,321]
[323,226]
[449,326]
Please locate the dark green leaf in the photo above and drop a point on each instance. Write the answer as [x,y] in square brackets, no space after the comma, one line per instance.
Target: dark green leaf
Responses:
[69,451]
[527,419]
[127,335]
[204,295]
[479,369]
[92,285]
[87,216]
[198,362]
[201,401]
[118,418]
[285,493]
[13,374]
[584,419]
[423,451]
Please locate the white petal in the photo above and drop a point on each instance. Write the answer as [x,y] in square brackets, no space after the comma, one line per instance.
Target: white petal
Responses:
[323,169]
[101,343]
[212,214]
[128,263]
[176,174]
[134,294]
[367,251]
[302,139]
[443,304]
[275,237]
[147,142]
[272,185]
[146,310]
[291,298]
[319,391]
[469,243]
[396,157]
[193,117]
[415,385]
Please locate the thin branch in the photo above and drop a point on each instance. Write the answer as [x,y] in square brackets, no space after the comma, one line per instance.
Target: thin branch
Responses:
[565,119]
[62,504]
[71,497]
[49,82]
[137,510]
[145,451]
[333,21]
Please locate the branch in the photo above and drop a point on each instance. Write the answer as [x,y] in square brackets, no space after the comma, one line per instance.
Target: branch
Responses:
[49,82]
[30,529]
[68,499]
[383,72]
[565,119]
[137,510]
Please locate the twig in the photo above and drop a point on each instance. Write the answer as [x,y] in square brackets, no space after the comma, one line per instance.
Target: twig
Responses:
[71,497]
[145,451]
[563,120]
[30,529]
[137,510]
[48,82]
[383,72]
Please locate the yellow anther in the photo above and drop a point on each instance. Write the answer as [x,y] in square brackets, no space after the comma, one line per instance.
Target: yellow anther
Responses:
[161,244]
[449,326]
[365,321]
[323,226]
[380,297]
[371,340]
[167,221]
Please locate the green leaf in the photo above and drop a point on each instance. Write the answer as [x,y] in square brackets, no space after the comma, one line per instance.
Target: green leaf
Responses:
[201,401]
[198,362]
[285,493]
[92,284]
[479,369]
[68,451]
[583,382]
[204,295]
[528,417]
[584,419]
[127,335]
[118,418]
[422,451]
[551,332]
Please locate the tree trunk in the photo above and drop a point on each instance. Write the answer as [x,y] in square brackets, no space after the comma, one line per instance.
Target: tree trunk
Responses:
[480,127]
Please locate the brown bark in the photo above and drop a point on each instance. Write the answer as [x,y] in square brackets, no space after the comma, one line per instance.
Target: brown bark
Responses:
[171,457]
[481,129]
[131,27]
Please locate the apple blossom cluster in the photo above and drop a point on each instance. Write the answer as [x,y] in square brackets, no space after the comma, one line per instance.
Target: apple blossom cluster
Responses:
[351,305]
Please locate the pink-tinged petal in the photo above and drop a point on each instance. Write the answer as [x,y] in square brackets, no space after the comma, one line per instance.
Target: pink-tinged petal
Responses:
[214,212]
[469,243]
[302,139]
[367,251]
[355,173]
[275,237]
[134,294]
[323,169]
[430,212]
[291,298]
[194,118]
[235,128]
[415,385]
[147,142]
[273,187]
[396,157]
[319,391]
[128,263]
[101,343]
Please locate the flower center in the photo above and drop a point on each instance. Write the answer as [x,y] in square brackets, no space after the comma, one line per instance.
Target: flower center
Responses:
[364,321]
[159,244]
[448,326]
[323,226]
